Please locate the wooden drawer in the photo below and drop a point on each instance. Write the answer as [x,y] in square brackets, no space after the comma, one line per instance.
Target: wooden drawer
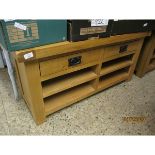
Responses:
[68,62]
[123,48]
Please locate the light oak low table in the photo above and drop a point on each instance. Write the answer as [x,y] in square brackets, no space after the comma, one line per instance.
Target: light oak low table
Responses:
[54,76]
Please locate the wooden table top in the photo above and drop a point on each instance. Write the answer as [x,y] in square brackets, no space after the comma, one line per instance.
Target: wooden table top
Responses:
[68,47]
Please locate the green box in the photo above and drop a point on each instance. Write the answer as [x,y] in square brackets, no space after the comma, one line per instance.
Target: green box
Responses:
[22,34]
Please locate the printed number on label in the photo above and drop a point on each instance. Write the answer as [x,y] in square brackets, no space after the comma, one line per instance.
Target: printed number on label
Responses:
[99,22]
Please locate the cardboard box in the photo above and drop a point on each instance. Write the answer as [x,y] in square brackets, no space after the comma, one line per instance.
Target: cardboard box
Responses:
[22,34]
[79,30]
[131,26]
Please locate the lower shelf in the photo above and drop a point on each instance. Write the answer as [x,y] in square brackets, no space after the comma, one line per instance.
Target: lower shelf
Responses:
[113,78]
[115,67]
[66,98]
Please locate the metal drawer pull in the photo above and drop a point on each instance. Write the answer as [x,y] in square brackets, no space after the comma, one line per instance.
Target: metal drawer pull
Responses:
[123,48]
[74,61]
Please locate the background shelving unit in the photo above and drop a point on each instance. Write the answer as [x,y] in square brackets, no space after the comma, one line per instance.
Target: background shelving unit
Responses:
[146,61]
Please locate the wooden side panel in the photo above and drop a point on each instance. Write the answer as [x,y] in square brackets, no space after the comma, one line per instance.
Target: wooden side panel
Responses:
[32,90]
[151,56]
[35,89]
[135,58]
[23,82]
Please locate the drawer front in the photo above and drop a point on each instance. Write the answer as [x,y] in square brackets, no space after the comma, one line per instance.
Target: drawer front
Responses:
[67,62]
[114,50]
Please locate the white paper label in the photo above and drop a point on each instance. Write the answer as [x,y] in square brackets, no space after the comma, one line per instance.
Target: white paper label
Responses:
[99,22]
[28,55]
[145,24]
[20,26]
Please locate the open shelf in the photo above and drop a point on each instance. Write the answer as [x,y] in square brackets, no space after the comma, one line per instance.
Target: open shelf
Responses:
[67,97]
[116,64]
[64,82]
[113,78]
[119,56]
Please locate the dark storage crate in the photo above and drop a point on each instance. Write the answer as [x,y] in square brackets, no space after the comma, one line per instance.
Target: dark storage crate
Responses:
[79,30]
